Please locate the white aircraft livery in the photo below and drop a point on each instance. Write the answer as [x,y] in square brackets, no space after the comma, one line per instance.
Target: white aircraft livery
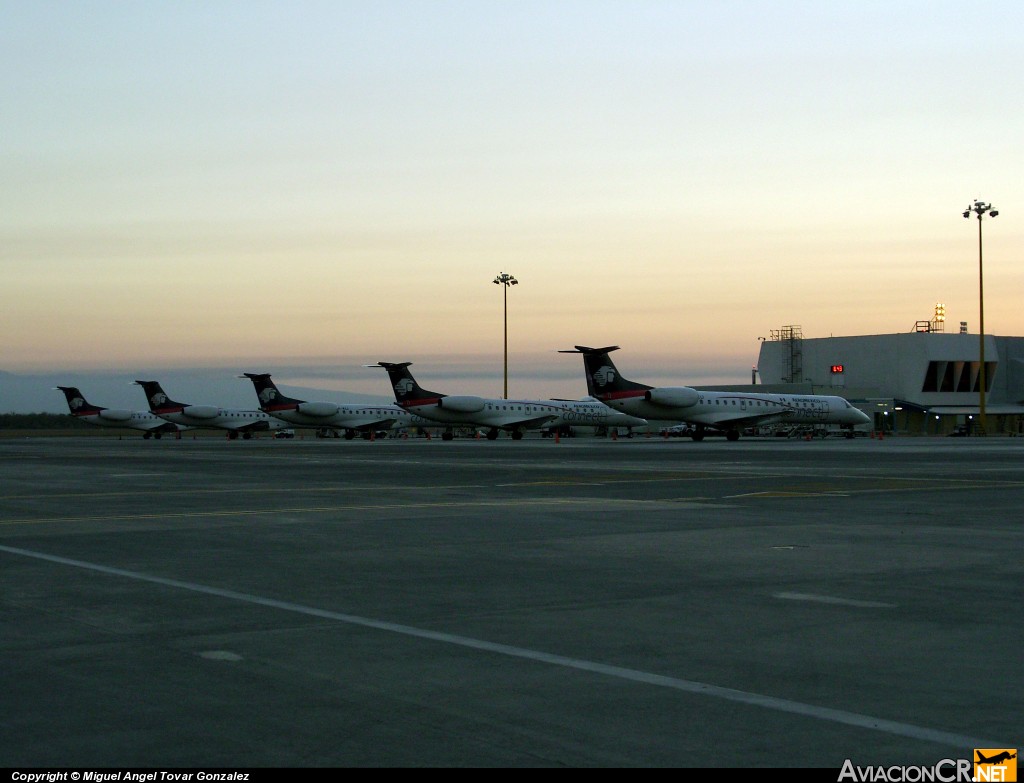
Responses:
[152,426]
[211,417]
[348,417]
[514,416]
[719,410]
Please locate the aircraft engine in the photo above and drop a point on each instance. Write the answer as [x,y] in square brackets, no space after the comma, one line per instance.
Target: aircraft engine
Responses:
[113,414]
[673,396]
[201,411]
[319,409]
[463,404]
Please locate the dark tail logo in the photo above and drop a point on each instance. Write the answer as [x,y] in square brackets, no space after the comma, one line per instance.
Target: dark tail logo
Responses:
[603,376]
[269,395]
[77,404]
[604,381]
[159,402]
[407,391]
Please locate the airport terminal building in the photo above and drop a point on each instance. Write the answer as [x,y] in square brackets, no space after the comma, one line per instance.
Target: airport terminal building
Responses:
[921,382]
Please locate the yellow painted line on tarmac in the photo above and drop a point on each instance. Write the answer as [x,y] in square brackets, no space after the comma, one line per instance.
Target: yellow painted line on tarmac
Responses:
[308,489]
[503,503]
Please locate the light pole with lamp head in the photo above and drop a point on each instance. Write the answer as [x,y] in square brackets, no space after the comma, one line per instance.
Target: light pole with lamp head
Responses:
[980,208]
[506,280]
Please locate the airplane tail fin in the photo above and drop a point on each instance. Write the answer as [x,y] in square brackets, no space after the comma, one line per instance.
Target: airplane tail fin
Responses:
[603,379]
[269,395]
[405,386]
[159,402]
[77,404]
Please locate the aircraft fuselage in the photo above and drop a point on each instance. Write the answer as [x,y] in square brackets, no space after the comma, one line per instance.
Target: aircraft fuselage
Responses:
[719,409]
[222,419]
[520,414]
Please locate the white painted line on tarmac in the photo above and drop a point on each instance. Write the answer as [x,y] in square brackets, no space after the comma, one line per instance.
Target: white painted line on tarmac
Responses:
[828,599]
[857,720]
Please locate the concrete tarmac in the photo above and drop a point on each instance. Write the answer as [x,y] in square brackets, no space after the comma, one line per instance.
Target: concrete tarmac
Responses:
[583,603]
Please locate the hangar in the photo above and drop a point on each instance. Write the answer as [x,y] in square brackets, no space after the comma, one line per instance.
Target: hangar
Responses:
[925,381]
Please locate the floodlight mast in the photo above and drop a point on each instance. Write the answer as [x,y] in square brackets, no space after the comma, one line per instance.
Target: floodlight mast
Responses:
[505,280]
[980,208]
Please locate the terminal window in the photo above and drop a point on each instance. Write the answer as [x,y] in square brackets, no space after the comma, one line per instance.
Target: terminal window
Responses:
[957,376]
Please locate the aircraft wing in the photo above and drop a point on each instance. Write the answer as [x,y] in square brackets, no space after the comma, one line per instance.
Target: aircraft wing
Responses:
[376,424]
[526,424]
[756,419]
[166,426]
[260,425]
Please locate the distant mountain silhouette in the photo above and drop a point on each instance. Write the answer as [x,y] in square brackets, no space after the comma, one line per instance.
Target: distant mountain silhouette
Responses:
[36,393]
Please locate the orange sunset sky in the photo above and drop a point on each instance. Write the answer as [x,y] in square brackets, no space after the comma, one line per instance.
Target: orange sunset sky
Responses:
[306,187]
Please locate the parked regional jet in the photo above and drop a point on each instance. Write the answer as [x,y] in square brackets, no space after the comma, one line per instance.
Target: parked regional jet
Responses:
[720,410]
[152,426]
[515,416]
[351,418]
[236,422]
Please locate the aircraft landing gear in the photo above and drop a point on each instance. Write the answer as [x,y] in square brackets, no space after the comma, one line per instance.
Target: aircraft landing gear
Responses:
[732,435]
[447,435]
[517,434]
[492,434]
